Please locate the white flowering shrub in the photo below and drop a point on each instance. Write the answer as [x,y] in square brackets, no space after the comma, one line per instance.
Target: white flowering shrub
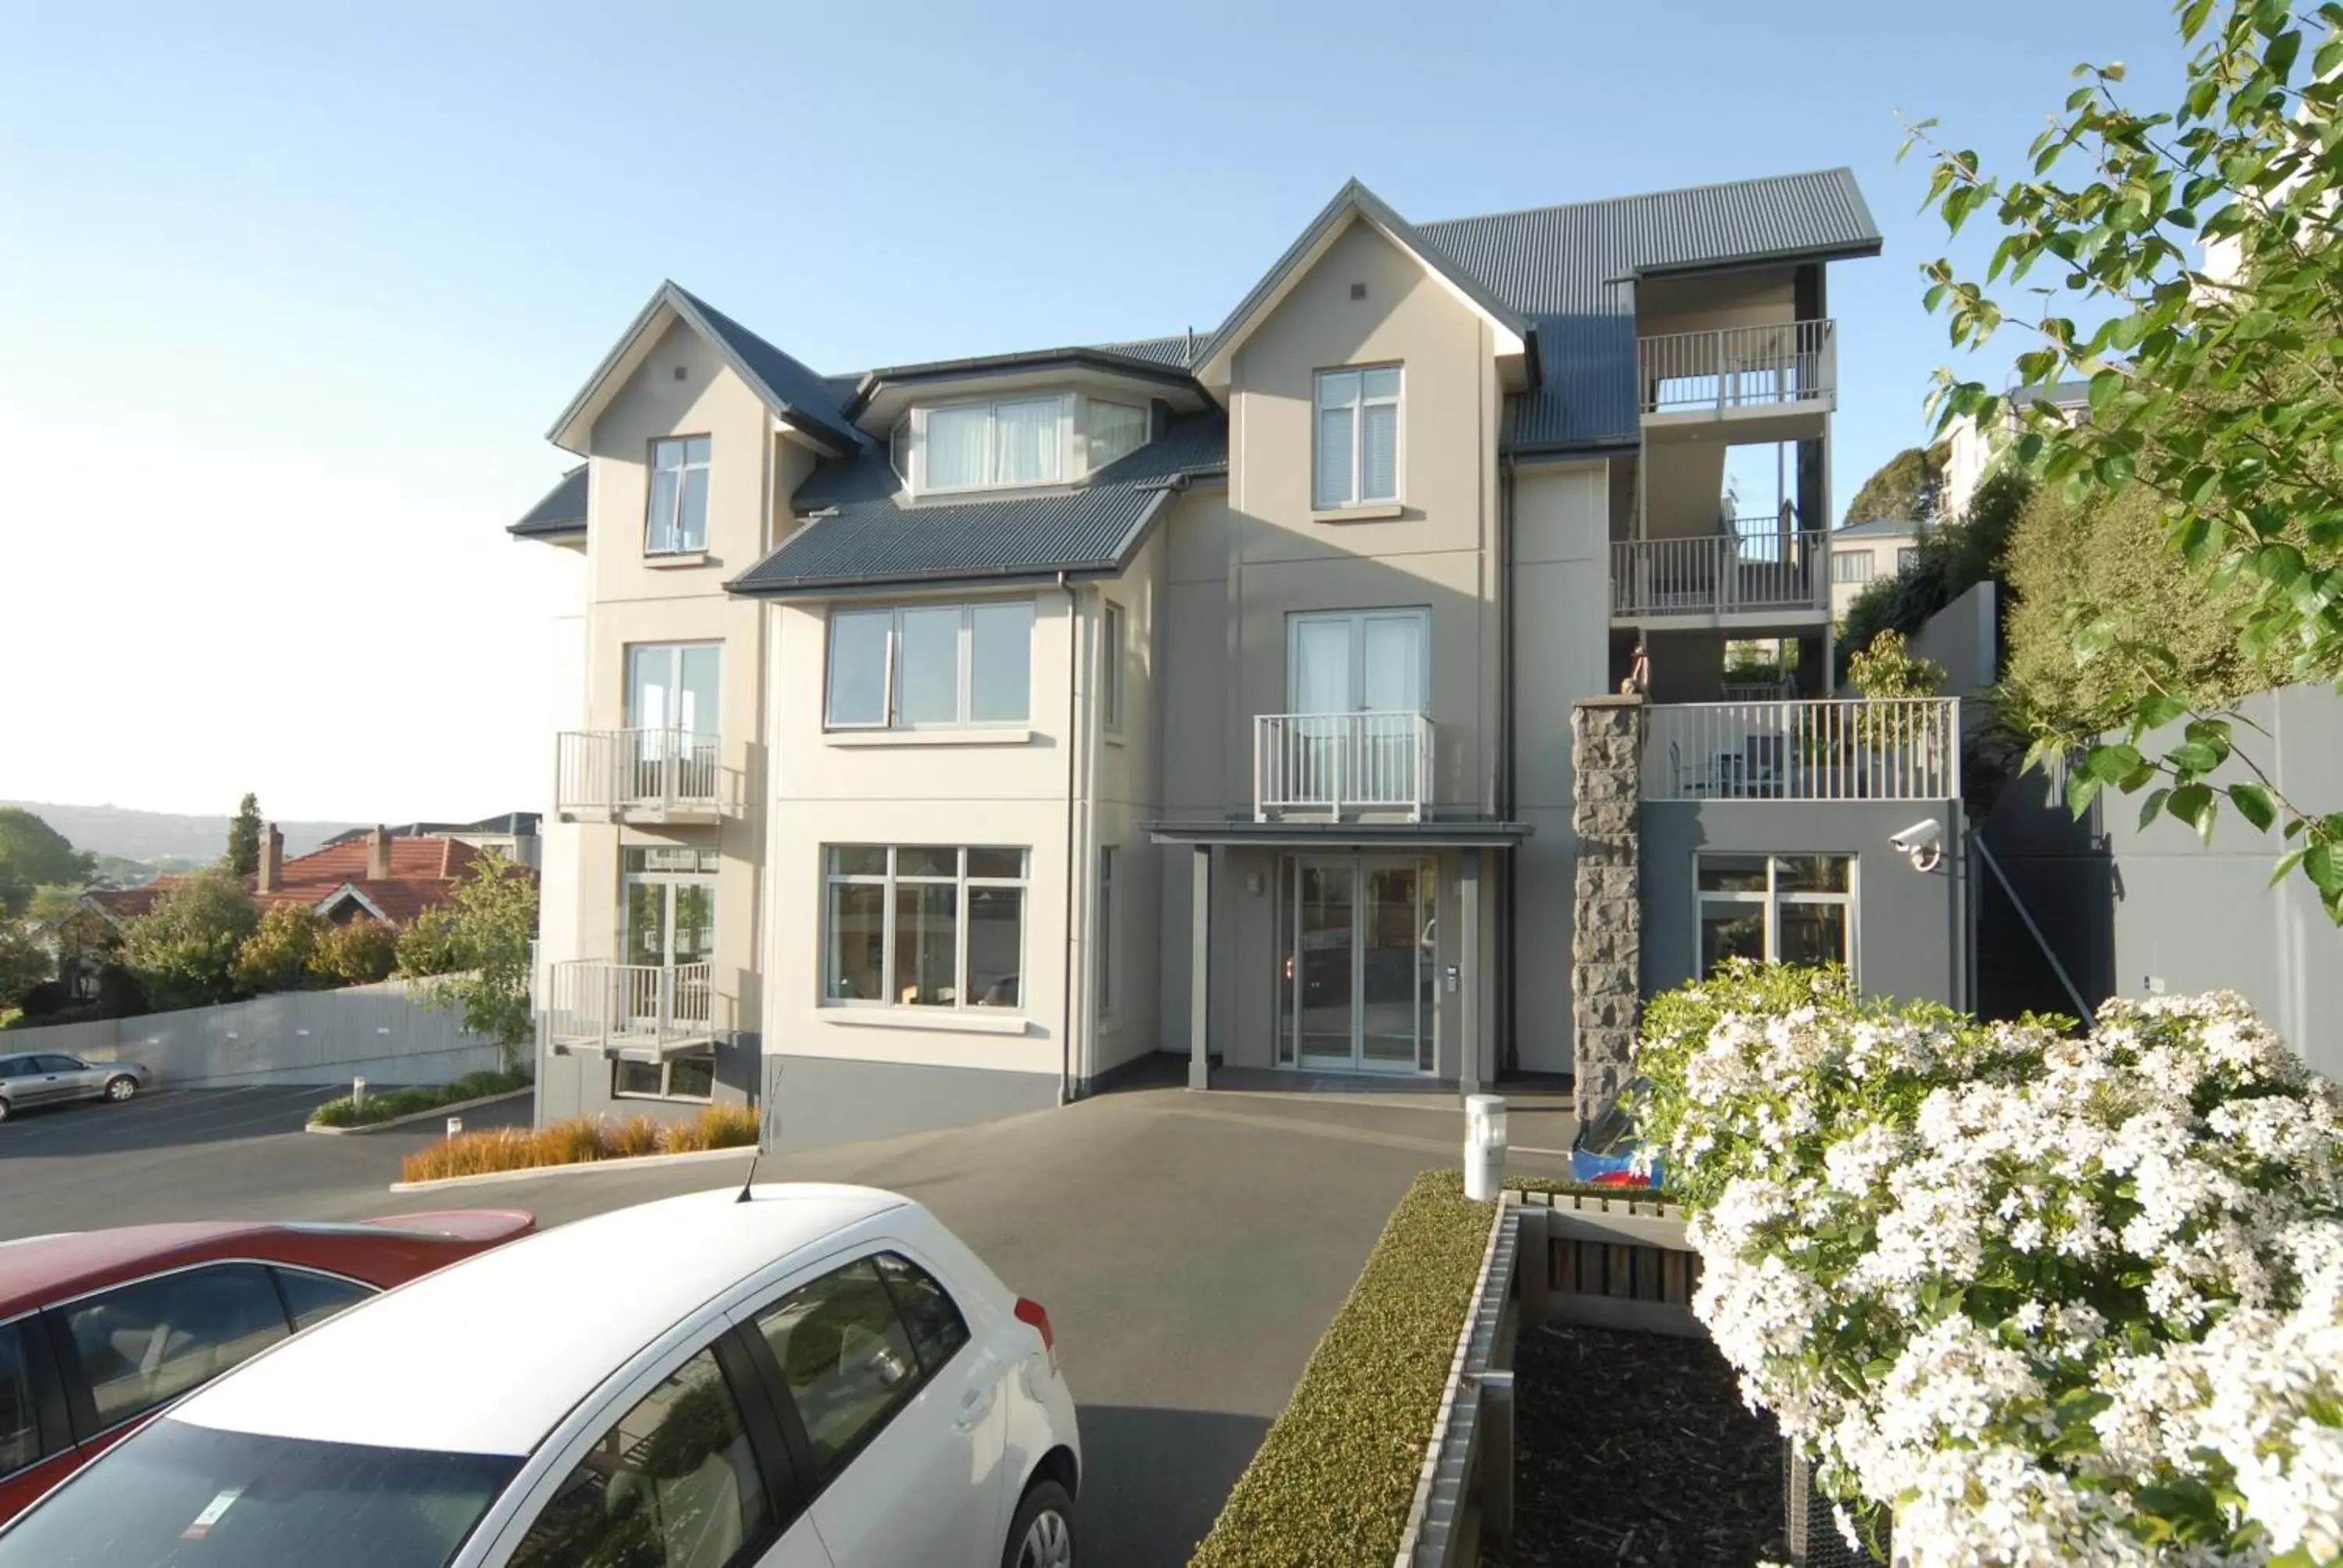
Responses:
[2053,1298]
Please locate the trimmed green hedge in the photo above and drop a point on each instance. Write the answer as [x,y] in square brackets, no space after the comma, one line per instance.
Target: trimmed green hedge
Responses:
[1336,1476]
[397,1102]
[1563,1187]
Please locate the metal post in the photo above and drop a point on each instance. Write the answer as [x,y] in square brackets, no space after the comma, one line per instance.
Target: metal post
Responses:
[1534,1264]
[1200,954]
[1717,351]
[1496,1456]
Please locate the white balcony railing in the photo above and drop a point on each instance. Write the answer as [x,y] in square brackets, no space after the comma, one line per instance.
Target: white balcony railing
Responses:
[1893,748]
[1331,764]
[657,774]
[1738,367]
[598,1005]
[1720,574]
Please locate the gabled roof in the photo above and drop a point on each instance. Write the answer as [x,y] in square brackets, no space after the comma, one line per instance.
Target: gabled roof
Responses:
[1880,528]
[864,534]
[793,393]
[1353,201]
[560,515]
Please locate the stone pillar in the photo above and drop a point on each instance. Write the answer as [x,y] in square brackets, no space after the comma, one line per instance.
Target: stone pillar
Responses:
[1606,751]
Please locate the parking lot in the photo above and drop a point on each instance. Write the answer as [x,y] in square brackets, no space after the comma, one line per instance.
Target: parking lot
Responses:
[1190,1248]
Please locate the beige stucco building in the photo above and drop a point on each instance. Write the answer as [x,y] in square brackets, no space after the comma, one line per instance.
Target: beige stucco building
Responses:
[950,738]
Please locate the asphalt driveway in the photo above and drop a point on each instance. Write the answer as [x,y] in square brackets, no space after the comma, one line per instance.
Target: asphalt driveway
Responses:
[1190,1248]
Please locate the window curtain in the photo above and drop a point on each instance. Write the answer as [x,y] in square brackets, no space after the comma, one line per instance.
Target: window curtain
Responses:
[956,445]
[1117,430]
[1027,432]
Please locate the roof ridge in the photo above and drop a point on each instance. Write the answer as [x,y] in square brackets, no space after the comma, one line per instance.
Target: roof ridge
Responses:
[1637,196]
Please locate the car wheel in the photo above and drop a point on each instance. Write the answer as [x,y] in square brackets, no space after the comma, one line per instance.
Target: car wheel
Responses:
[121,1087]
[1043,1533]
[3,1110]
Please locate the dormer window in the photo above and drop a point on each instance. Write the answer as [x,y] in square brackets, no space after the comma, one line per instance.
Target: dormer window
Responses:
[1011,443]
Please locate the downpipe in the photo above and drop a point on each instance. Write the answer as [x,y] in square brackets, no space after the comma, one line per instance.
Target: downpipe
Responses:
[1073,684]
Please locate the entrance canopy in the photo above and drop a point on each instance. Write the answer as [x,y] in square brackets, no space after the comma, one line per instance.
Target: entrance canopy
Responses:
[1463,834]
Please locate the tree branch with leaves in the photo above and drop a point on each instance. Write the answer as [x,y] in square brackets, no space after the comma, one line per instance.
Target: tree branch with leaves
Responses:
[2218,391]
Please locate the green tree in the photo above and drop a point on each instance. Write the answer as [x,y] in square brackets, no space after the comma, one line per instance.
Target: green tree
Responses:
[432,945]
[24,961]
[244,837]
[493,926]
[81,935]
[183,953]
[278,954]
[2221,395]
[358,953]
[33,853]
[1908,488]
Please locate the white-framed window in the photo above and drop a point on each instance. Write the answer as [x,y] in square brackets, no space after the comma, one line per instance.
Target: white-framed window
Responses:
[979,445]
[692,1076]
[1109,858]
[921,925]
[1906,557]
[1111,658]
[1358,437]
[1851,565]
[898,448]
[678,520]
[932,666]
[1777,909]
[1115,430]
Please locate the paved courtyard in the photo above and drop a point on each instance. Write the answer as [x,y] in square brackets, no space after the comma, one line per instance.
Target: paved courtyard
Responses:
[1190,1248]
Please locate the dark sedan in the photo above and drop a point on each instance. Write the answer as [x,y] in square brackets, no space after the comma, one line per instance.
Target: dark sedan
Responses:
[100,1330]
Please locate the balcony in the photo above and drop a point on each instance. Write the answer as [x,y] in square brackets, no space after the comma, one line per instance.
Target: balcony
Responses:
[1754,573]
[1894,748]
[1778,375]
[661,776]
[645,1011]
[1337,765]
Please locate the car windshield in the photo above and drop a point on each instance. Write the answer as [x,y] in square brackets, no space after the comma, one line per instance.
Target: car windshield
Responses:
[177,1495]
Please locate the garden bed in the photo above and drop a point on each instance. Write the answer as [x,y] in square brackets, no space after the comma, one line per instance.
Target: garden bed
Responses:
[584,1140]
[396,1104]
[1635,1449]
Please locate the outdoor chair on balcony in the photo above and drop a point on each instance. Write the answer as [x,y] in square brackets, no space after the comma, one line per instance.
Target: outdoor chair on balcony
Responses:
[1699,780]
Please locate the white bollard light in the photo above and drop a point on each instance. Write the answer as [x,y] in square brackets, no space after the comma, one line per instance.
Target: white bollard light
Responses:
[455,1125]
[358,1094]
[1484,1147]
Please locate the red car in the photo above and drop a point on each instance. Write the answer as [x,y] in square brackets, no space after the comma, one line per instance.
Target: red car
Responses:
[100,1330]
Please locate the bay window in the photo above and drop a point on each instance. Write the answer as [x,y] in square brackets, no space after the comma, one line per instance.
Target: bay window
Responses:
[1775,909]
[678,520]
[1357,437]
[924,926]
[932,666]
[1116,431]
[1011,442]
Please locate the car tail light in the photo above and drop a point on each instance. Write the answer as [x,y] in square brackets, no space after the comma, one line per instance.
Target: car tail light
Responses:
[1035,1314]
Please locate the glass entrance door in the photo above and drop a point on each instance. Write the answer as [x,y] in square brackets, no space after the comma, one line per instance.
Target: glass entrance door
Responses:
[1360,979]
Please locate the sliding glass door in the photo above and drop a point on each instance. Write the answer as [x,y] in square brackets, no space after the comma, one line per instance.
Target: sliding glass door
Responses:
[1359,945]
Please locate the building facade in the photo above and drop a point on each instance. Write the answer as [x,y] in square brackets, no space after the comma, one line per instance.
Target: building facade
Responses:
[950,738]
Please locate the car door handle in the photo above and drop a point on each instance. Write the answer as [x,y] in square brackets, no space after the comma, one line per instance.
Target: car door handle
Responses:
[972,1406]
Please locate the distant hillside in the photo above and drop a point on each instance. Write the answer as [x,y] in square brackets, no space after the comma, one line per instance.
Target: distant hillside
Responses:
[155,836]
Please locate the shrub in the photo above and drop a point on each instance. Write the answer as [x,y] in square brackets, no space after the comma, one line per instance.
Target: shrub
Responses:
[433,944]
[184,951]
[1953,556]
[389,1104]
[358,953]
[579,1140]
[2055,1297]
[1336,1476]
[278,954]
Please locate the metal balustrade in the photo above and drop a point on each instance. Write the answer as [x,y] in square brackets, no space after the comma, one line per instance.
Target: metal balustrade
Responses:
[1331,764]
[1720,574]
[598,1005]
[660,775]
[1888,748]
[1732,368]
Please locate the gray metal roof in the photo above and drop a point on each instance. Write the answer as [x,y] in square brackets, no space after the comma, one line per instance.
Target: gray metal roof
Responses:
[796,393]
[1562,267]
[562,512]
[1879,528]
[863,534]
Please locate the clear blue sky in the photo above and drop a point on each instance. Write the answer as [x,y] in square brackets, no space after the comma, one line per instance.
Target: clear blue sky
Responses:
[290,294]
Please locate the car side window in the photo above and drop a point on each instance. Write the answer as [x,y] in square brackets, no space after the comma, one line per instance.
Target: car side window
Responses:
[144,1344]
[936,1327]
[675,1483]
[20,1430]
[844,1357]
[15,1065]
[313,1298]
[60,1064]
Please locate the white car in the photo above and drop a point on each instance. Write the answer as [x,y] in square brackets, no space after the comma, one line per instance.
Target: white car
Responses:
[786,1376]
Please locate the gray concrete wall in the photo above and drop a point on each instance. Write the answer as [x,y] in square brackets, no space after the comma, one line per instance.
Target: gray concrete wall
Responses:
[2193,918]
[825,1100]
[380,1032]
[578,1084]
[1961,637]
[1909,924]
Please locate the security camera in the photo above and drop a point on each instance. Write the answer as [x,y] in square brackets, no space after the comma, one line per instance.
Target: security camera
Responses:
[1923,841]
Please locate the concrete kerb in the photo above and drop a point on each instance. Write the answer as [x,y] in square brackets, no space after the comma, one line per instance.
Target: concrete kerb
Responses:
[447,1109]
[574,1168]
